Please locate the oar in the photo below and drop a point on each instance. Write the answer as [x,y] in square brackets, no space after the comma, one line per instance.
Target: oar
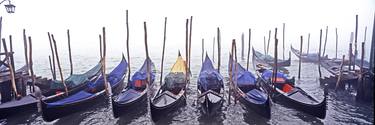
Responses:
[59,66]
[248,51]
[10,68]
[70,53]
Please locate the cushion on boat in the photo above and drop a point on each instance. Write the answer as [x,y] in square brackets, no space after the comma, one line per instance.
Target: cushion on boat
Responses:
[257,95]
[128,95]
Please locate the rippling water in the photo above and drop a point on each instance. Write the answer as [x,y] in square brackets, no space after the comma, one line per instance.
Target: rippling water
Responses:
[342,108]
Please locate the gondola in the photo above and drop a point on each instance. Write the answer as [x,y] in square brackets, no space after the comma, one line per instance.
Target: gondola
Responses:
[251,95]
[171,94]
[93,92]
[74,83]
[258,60]
[210,86]
[135,94]
[9,106]
[284,92]
[307,57]
[43,90]
[270,60]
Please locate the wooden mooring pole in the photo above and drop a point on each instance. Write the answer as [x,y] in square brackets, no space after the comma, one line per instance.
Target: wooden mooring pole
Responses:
[59,66]
[148,60]
[213,50]
[325,43]
[355,41]
[52,53]
[202,50]
[242,46]
[162,55]
[284,41]
[25,50]
[268,43]
[274,73]
[70,53]
[248,51]
[340,74]
[320,48]
[108,92]
[336,43]
[31,63]
[308,44]
[218,49]
[13,81]
[299,63]
[127,46]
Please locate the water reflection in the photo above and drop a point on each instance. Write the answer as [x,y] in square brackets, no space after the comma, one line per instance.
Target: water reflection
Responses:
[135,112]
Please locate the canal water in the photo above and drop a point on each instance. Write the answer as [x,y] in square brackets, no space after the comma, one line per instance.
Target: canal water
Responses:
[342,107]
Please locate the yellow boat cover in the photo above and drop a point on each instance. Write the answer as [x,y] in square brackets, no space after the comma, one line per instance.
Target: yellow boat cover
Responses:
[179,65]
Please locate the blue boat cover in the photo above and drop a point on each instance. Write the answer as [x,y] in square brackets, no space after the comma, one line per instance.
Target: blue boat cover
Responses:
[257,95]
[209,77]
[244,77]
[113,78]
[72,98]
[141,74]
[267,74]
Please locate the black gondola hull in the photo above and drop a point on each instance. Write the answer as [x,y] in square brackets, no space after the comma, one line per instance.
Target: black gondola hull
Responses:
[318,110]
[53,113]
[158,112]
[209,107]
[122,108]
[263,109]
[13,110]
